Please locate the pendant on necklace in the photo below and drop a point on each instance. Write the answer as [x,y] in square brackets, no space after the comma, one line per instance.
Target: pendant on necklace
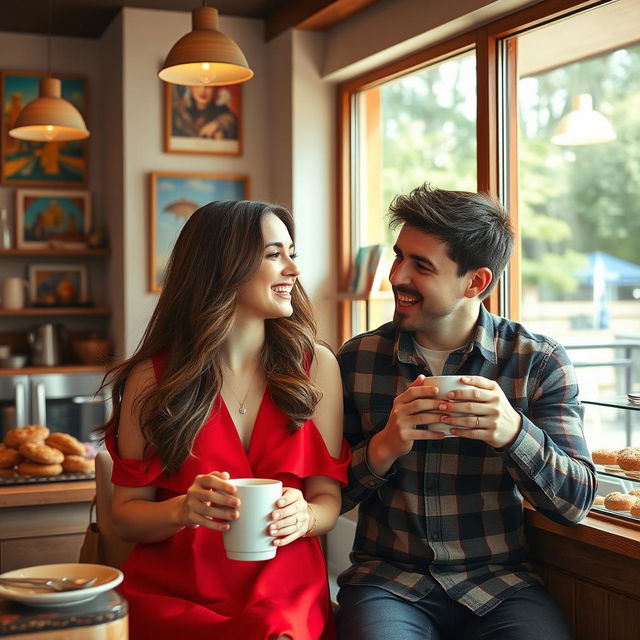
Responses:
[242,409]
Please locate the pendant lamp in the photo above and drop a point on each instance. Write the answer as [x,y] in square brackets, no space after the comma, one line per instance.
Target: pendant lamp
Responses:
[205,56]
[49,118]
[583,125]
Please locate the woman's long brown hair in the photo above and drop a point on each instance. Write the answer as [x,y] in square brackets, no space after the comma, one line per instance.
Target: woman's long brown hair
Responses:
[218,250]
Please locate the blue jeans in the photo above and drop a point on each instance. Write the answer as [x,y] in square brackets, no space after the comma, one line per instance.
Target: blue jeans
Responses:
[372,613]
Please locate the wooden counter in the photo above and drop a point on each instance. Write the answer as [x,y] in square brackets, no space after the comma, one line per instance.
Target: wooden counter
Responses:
[43,523]
[592,570]
[21,495]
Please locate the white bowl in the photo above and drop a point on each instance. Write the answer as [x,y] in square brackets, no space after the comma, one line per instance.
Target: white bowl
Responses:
[108,578]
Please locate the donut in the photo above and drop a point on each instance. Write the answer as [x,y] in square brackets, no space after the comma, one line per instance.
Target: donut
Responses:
[635,508]
[66,443]
[8,473]
[15,437]
[75,463]
[605,456]
[41,453]
[34,469]
[629,459]
[619,501]
[9,458]
[599,500]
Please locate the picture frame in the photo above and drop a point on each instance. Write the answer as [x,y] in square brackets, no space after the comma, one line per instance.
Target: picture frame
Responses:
[173,198]
[40,164]
[58,285]
[203,120]
[53,218]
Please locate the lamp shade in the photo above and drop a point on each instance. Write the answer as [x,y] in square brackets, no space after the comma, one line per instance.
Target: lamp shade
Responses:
[583,125]
[205,56]
[49,118]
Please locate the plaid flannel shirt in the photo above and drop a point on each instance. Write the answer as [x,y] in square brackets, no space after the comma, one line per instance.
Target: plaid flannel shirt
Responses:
[450,511]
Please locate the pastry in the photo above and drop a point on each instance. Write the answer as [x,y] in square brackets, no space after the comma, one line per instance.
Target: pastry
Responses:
[629,459]
[15,437]
[9,458]
[66,443]
[598,501]
[75,463]
[619,501]
[605,456]
[28,468]
[8,473]
[41,453]
[635,508]
[634,492]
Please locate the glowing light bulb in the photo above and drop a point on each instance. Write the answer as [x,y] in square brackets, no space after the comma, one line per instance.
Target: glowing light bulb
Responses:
[207,74]
[49,132]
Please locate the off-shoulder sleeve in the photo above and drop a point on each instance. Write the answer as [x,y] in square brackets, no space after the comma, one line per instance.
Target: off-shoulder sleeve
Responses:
[128,472]
[305,454]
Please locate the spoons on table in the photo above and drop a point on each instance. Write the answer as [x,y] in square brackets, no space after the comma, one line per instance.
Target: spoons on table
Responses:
[51,584]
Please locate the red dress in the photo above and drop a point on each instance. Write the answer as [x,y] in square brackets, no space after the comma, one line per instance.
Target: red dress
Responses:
[185,587]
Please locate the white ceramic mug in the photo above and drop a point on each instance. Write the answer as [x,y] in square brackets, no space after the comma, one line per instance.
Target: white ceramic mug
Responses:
[248,537]
[13,293]
[444,384]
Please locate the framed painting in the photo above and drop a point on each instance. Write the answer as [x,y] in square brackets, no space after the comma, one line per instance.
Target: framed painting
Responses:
[58,285]
[40,164]
[57,219]
[173,198]
[205,120]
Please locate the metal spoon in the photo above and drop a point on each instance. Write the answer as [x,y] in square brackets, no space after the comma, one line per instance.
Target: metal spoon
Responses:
[52,584]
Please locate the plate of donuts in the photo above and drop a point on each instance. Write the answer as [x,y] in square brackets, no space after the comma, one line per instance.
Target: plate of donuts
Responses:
[35,454]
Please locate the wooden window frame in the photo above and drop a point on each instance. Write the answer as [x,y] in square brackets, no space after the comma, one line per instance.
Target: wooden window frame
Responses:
[598,530]
[484,41]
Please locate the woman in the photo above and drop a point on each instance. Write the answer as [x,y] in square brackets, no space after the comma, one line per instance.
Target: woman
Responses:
[204,112]
[227,382]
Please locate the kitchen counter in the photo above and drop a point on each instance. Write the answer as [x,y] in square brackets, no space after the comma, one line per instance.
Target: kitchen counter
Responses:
[43,523]
[47,493]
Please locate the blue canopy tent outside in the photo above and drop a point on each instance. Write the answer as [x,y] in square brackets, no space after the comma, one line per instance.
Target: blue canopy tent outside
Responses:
[615,271]
[601,270]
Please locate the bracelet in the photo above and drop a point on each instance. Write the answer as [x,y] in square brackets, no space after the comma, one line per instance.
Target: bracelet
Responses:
[315,521]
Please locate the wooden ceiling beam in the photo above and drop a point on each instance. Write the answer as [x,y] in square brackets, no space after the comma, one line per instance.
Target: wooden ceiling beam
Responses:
[314,15]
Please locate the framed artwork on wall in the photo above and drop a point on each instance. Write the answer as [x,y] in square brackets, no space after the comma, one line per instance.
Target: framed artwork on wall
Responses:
[40,164]
[173,198]
[48,218]
[58,285]
[205,120]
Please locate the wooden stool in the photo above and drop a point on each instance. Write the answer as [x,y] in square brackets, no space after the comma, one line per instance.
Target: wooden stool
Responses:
[106,617]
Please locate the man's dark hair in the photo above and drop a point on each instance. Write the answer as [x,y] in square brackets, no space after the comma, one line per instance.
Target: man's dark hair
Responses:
[475,226]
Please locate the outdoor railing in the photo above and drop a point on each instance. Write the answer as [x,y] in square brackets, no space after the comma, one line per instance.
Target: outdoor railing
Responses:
[625,357]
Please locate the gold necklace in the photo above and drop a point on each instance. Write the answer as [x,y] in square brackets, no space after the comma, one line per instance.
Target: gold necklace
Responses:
[242,408]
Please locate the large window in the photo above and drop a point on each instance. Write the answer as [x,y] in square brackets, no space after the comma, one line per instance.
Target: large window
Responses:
[578,194]
[575,275]
[414,128]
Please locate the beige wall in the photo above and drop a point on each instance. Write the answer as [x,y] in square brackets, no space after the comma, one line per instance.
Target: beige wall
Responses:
[289,136]
[146,39]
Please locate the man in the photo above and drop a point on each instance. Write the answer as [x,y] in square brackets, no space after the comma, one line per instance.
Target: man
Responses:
[439,549]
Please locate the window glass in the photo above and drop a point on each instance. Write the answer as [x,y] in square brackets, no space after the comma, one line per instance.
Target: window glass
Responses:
[416,128]
[578,208]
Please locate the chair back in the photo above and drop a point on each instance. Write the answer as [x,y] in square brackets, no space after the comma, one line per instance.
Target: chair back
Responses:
[113,549]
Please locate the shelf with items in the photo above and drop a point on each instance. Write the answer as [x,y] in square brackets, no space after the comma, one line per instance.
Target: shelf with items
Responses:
[57,311]
[63,368]
[58,253]
[611,477]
